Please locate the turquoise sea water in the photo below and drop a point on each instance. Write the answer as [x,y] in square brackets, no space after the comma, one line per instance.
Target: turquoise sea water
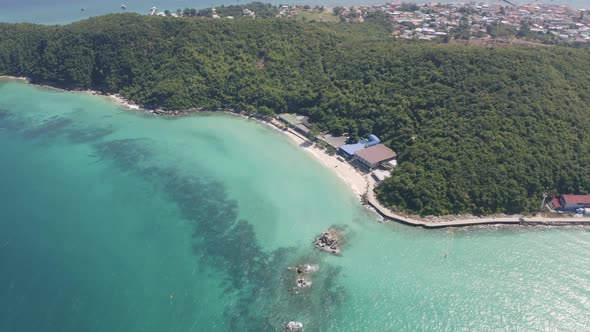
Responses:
[66,11]
[112,220]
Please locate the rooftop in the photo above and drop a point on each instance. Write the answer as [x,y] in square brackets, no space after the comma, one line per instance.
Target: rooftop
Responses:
[555,203]
[290,118]
[335,141]
[351,149]
[376,154]
[576,199]
[381,175]
[294,119]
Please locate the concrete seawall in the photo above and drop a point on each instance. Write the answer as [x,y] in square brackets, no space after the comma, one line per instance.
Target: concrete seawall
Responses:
[368,184]
[387,213]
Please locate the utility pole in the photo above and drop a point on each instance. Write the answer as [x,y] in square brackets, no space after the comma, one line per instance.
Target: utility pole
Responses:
[543,201]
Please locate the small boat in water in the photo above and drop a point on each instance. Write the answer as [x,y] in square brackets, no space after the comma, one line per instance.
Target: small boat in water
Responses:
[123,7]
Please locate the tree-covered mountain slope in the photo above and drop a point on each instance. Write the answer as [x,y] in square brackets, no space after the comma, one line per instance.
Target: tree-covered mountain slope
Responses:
[480,130]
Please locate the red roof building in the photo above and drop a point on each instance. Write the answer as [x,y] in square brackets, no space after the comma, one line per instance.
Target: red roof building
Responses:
[555,204]
[572,202]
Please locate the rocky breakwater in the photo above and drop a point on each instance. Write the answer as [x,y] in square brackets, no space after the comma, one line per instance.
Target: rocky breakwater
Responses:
[330,241]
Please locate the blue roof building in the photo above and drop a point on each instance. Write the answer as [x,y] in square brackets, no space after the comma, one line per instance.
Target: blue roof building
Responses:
[373,140]
[349,150]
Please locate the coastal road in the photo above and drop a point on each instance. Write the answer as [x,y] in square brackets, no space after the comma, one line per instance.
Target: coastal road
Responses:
[516,220]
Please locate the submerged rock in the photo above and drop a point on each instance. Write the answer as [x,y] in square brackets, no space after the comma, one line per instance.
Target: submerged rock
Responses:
[330,241]
[303,282]
[304,269]
[294,326]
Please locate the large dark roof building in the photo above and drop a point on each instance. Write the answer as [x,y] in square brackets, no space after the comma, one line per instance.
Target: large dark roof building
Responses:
[372,156]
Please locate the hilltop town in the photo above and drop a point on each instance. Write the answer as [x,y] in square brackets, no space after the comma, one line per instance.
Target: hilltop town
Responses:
[546,23]
[443,22]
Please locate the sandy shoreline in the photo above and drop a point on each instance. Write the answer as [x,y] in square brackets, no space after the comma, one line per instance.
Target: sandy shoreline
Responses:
[124,102]
[13,78]
[360,184]
[115,97]
[355,180]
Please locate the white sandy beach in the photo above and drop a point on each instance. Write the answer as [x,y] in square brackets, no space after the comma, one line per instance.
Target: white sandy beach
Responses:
[126,103]
[358,182]
[13,78]
[355,180]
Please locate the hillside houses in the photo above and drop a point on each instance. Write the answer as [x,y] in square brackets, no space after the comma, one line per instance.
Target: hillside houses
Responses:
[463,21]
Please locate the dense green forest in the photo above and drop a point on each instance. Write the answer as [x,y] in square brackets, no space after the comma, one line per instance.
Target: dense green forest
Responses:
[480,130]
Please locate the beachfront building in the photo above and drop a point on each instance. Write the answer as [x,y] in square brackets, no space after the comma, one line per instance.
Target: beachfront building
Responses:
[349,150]
[334,141]
[373,156]
[570,202]
[299,123]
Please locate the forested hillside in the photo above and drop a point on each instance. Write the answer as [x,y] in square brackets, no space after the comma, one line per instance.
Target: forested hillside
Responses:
[481,130]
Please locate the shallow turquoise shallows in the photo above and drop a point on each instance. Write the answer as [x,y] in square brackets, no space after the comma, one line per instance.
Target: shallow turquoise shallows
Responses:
[112,220]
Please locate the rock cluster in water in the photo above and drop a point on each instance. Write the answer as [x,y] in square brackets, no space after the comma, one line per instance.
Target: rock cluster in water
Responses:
[293,326]
[303,280]
[304,269]
[330,241]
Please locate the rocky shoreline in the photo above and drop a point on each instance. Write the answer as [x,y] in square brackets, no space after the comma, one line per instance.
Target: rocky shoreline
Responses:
[132,105]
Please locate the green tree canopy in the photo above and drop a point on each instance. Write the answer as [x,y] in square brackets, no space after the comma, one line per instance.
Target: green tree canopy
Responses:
[480,130]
